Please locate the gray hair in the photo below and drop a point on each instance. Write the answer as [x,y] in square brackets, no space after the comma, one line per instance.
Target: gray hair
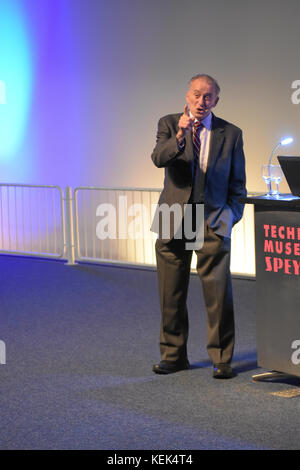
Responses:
[209,79]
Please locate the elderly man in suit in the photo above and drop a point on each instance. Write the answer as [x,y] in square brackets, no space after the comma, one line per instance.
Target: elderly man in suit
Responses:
[204,163]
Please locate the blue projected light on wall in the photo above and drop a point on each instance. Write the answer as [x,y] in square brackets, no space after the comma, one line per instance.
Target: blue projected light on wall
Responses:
[15,78]
[2,92]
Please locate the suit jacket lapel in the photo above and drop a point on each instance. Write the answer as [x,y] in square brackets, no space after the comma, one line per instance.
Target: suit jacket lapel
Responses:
[216,143]
[189,150]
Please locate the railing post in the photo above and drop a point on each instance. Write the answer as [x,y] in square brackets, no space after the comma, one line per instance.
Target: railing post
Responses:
[2,352]
[70,248]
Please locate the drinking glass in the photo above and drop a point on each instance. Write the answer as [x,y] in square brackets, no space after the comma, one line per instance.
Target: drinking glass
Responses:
[276,176]
[266,172]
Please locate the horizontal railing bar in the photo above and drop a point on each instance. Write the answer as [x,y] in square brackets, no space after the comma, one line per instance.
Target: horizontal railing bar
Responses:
[84,259]
[32,253]
[19,185]
[102,188]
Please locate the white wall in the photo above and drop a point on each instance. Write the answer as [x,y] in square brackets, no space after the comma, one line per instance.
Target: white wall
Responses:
[104,72]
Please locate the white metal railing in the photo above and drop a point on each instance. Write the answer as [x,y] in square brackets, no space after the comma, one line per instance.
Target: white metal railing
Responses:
[32,220]
[136,246]
[141,251]
[42,221]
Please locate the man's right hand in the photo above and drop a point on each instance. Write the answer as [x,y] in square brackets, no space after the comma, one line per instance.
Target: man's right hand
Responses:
[185,124]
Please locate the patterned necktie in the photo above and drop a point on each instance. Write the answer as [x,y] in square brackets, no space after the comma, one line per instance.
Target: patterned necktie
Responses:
[196,138]
[197,188]
[197,144]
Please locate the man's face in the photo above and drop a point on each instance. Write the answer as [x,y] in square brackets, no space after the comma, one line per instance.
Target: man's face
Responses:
[201,98]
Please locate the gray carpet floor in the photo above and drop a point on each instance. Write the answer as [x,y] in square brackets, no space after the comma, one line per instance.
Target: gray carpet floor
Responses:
[80,344]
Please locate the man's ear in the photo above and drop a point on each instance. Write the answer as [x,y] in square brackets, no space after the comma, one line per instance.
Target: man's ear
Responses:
[216,102]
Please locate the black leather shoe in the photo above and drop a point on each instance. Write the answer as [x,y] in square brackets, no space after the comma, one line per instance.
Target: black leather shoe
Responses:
[165,367]
[223,371]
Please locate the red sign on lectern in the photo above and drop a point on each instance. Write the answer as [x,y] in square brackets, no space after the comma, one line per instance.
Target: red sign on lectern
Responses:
[282,249]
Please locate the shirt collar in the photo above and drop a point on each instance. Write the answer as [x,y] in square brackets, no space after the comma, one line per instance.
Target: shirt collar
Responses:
[206,122]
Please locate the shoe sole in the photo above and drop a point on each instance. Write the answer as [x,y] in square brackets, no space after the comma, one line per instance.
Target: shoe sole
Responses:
[167,372]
